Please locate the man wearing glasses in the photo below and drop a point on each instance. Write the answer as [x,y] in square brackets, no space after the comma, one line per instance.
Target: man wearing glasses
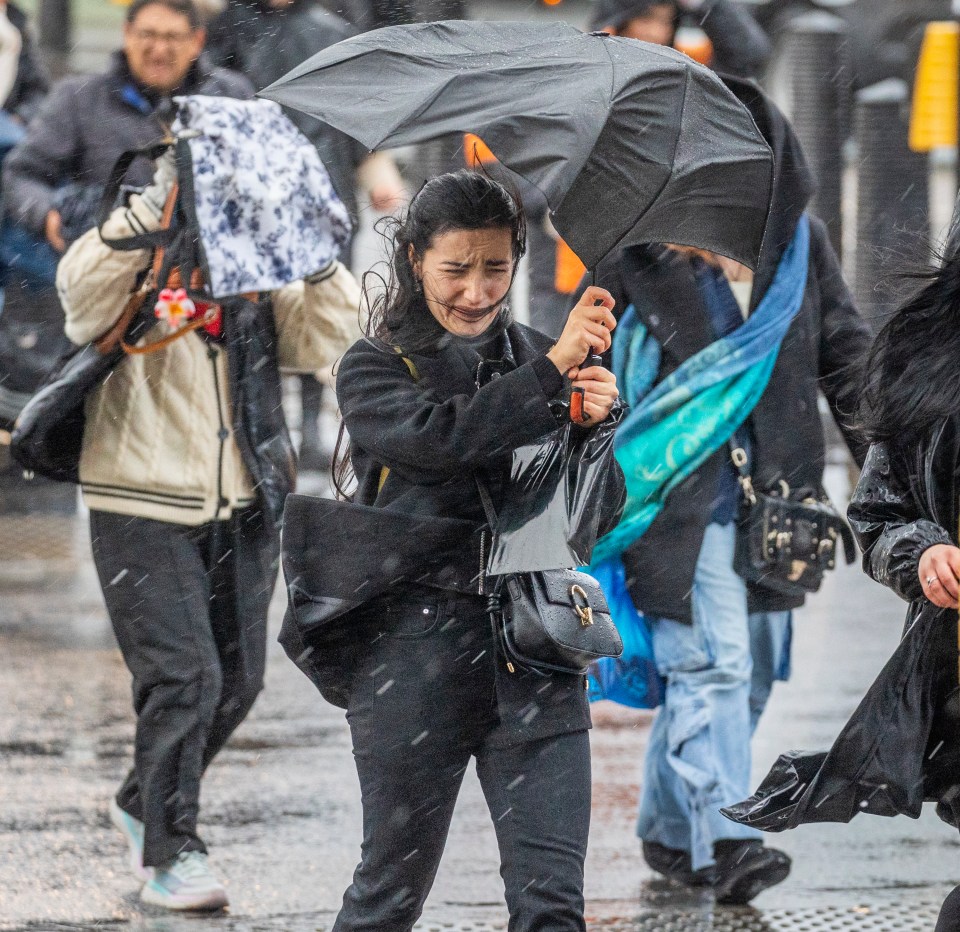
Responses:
[52,180]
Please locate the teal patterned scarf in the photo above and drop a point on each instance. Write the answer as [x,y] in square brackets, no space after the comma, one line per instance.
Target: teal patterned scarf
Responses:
[673,428]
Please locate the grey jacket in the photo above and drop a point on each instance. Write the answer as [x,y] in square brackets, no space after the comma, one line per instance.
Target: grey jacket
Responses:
[85,125]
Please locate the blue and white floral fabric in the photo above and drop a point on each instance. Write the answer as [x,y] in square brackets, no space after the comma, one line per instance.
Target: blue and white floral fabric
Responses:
[267,212]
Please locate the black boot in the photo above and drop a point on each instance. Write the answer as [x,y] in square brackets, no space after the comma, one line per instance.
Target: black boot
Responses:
[675,865]
[746,868]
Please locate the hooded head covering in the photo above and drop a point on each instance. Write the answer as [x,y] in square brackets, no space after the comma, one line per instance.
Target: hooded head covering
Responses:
[612,14]
[793,182]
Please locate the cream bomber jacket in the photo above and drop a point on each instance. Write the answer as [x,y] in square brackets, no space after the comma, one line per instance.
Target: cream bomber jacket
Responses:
[151,445]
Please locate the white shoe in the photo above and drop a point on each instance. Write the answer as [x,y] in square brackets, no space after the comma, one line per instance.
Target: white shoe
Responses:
[132,830]
[185,883]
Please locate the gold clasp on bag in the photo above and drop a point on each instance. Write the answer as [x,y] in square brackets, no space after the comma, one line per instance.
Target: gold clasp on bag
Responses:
[584,612]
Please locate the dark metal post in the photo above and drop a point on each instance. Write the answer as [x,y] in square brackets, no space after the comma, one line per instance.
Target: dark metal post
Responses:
[55,32]
[818,53]
[893,222]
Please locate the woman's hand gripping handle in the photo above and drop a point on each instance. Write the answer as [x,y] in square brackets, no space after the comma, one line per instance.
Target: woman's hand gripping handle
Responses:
[585,337]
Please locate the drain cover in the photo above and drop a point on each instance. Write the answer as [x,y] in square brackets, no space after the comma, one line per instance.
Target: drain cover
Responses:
[912,918]
[464,926]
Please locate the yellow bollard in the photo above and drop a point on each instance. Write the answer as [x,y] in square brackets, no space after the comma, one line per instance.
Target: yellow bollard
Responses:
[933,120]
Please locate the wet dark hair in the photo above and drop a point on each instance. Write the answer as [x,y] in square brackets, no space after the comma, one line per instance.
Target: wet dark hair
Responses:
[398,312]
[463,200]
[912,373]
[183,7]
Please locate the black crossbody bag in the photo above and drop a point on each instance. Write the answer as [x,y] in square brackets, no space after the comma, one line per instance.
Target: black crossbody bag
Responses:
[549,621]
[786,543]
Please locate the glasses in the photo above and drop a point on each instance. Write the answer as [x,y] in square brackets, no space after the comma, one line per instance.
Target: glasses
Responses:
[150,37]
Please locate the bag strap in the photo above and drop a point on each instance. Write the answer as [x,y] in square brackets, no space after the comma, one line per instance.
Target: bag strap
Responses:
[108,342]
[487,502]
[415,375]
[195,324]
[740,460]
[115,335]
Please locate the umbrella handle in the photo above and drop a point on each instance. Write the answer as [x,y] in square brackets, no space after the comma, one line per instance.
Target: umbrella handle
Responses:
[577,412]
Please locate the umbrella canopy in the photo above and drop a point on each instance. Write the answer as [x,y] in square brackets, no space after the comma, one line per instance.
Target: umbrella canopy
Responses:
[629,142]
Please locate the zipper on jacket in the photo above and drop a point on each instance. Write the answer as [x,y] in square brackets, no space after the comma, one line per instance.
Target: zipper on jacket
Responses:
[222,433]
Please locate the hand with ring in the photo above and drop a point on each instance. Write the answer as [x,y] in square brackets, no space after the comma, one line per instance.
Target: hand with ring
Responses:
[939,573]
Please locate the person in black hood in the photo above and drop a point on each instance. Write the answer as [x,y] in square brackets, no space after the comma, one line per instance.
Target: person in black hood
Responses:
[719,642]
[740,46]
[263,40]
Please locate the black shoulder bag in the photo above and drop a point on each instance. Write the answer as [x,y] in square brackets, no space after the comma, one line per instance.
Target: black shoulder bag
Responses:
[786,543]
[549,621]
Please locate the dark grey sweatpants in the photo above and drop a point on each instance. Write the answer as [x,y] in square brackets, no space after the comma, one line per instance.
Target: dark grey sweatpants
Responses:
[188,606]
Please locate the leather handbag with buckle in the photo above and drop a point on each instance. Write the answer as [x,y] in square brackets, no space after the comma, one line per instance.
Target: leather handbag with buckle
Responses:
[786,541]
[549,621]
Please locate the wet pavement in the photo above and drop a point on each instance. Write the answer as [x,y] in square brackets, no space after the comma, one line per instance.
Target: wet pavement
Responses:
[280,805]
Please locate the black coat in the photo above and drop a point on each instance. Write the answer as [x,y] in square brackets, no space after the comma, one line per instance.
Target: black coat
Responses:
[822,351]
[85,125]
[432,433]
[901,746]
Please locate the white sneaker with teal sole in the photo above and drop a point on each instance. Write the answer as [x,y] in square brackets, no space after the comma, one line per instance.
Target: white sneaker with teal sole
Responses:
[132,830]
[185,883]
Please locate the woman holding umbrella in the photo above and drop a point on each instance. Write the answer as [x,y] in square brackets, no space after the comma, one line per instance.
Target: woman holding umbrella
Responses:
[446,387]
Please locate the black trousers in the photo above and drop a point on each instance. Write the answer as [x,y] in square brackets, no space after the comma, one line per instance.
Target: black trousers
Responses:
[188,607]
[949,918]
[423,702]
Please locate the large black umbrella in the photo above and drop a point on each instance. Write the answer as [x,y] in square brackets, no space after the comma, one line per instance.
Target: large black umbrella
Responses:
[629,142]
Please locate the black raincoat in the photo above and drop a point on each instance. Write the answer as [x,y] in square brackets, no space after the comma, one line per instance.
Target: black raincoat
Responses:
[901,746]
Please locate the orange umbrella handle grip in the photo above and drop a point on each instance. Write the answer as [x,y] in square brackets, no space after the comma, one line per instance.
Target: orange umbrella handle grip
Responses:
[577,414]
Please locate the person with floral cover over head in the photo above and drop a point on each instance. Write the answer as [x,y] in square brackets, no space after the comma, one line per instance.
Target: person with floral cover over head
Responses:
[185,466]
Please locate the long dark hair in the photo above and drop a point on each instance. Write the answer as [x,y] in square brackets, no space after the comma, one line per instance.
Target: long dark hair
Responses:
[912,373]
[398,315]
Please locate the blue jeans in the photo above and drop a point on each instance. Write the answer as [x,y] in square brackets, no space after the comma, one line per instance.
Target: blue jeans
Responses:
[27,257]
[719,674]
[12,132]
[22,253]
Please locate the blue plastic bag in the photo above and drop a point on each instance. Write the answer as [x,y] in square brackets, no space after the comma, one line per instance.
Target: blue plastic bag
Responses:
[632,679]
